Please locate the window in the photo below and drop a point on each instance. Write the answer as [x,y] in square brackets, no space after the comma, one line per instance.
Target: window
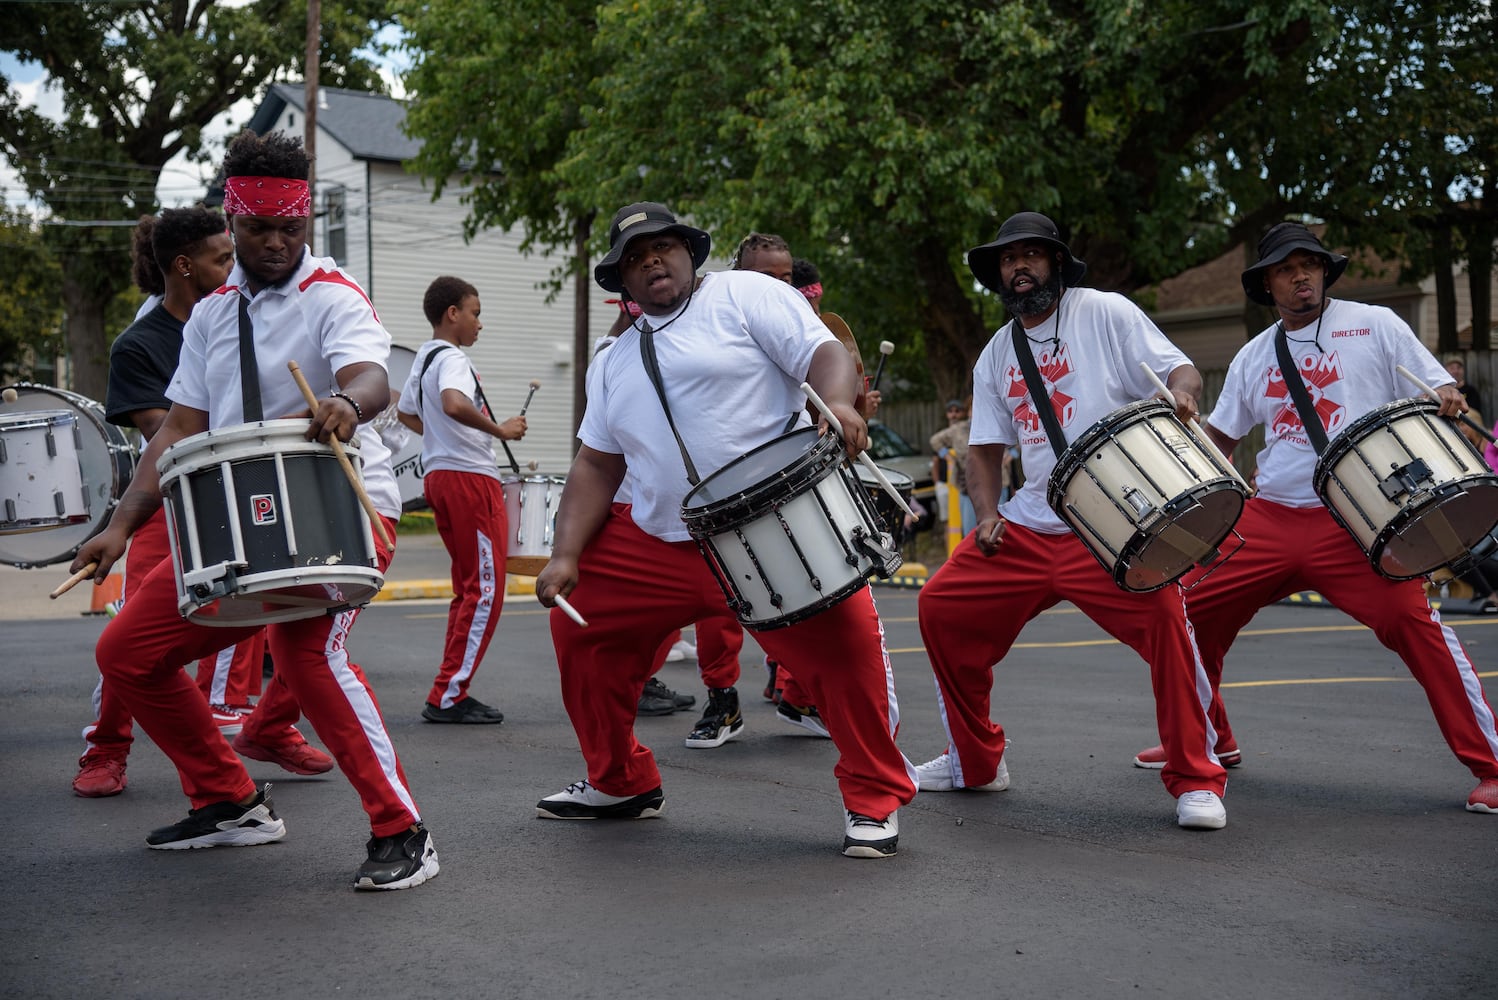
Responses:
[335,221]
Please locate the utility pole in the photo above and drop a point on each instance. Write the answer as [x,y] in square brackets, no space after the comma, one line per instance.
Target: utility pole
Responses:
[309,115]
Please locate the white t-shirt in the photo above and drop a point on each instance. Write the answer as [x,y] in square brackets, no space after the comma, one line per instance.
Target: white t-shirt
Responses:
[445,443]
[321,319]
[732,360]
[1090,369]
[1350,374]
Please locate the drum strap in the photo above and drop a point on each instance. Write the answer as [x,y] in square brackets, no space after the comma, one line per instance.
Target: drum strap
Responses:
[653,369]
[249,371]
[1315,430]
[478,386]
[1036,385]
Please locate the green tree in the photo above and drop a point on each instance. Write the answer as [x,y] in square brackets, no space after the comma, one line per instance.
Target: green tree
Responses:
[30,312]
[140,81]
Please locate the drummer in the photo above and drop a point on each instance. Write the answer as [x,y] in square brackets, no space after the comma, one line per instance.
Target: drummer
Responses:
[1021,559]
[279,304]
[732,349]
[1347,353]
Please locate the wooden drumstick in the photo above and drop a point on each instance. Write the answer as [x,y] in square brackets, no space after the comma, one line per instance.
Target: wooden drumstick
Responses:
[569,610]
[1195,428]
[1401,369]
[863,456]
[885,350]
[338,452]
[535,384]
[74,580]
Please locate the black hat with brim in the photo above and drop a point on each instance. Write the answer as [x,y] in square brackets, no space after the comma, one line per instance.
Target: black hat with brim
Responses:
[645,218]
[983,260]
[1280,242]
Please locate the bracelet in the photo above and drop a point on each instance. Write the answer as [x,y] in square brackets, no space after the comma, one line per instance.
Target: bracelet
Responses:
[358,410]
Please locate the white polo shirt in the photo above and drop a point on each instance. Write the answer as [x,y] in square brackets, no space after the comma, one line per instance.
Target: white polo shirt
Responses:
[447,445]
[321,319]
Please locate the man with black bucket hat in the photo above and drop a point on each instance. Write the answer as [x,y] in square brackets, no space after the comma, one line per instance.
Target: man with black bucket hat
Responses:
[729,351]
[1087,348]
[1346,354]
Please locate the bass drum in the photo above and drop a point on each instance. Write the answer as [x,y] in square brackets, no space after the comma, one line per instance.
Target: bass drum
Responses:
[404,443]
[107,459]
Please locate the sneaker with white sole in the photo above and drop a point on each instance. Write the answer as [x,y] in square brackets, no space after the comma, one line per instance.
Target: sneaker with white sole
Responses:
[402,861]
[936,776]
[222,824]
[1484,798]
[681,650]
[721,721]
[805,716]
[1153,758]
[867,837]
[1201,810]
[230,720]
[580,800]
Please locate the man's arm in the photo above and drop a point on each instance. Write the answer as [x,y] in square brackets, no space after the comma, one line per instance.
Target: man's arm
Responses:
[832,375]
[592,481]
[985,480]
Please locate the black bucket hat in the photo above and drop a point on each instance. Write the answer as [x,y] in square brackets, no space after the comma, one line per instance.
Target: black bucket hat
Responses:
[1280,242]
[983,261]
[645,218]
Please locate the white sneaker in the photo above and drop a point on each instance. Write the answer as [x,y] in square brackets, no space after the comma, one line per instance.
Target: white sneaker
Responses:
[936,776]
[681,650]
[867,837]
[1201,810]
[580,800]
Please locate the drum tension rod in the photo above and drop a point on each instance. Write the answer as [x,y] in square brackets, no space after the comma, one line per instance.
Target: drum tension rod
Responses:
[1405,479]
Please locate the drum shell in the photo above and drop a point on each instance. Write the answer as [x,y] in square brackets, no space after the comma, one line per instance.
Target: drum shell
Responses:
[1145,497]
[1416,530]
[890,517]
[531,512]
[107,459]
[41,471]
[281,535]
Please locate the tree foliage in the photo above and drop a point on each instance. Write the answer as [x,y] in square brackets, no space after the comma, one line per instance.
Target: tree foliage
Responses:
[30,310]
[139,82]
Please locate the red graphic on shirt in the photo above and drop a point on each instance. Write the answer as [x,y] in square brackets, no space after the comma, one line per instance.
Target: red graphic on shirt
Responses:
[1053,368]
[1318,372]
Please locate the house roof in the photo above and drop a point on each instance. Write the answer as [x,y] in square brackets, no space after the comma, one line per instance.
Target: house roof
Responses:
[367,125]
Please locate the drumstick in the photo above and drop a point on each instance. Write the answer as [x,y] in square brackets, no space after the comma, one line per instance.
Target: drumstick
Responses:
[1196,428]
[535,384]
[348,468]
[868,463]
[885,350]
[570,610]
[1401,369]
[74,580]
[514,465]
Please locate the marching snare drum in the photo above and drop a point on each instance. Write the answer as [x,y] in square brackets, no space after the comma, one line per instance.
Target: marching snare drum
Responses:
[41,477]
[888,513]
[531,511]
[1409,487]
[788,530]
[90,486]
[404,443]
[264,526]
[1146,498]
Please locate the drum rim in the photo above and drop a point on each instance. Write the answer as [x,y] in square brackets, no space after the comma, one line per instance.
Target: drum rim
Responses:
[231,439]
[820,457]
[1412,513]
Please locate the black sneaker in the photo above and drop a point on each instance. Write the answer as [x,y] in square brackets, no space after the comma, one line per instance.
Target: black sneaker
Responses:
[867,837]
[402,861]
[580,800]
[721,721]
[222,824]
[805,716]
[657,699]
[469,711]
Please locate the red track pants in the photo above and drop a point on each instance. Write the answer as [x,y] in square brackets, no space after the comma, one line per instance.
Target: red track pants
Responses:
[470,515]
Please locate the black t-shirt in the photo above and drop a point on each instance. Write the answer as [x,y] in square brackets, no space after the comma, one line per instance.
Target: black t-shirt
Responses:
[141,364]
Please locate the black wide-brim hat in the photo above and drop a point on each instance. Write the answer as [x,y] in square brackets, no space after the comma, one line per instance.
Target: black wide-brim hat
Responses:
[1280,242]
[983,260]
[645,218]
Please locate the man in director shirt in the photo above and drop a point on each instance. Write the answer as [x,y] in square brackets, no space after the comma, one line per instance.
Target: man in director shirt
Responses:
[304,309]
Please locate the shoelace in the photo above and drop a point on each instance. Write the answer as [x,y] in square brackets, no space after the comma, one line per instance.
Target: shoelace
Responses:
[859,819]
[578,786]
[1198,798]
[939,764]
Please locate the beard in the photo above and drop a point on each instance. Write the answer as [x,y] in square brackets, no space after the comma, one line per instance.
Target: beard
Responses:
[265,280]
[1037,301]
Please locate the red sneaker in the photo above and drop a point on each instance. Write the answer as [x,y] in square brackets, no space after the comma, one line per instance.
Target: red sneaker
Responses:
[99,777]
[1484,798]
[293,753]
[228,719]
[1153,757]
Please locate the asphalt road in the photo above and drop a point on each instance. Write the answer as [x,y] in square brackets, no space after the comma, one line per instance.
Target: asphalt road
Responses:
[1348,867]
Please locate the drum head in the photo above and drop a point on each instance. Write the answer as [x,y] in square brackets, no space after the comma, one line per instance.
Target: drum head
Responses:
[1438,534]
[107,459]
[789,456]
[1192,534]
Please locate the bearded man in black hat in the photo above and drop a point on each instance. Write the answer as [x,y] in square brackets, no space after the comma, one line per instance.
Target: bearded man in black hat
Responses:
[1346,355]
[731,349]
[1088,347]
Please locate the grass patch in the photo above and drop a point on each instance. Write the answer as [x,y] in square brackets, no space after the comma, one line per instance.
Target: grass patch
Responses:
[418,522]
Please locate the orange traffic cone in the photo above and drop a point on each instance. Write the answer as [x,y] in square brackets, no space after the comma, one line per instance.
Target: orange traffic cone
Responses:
[106,594]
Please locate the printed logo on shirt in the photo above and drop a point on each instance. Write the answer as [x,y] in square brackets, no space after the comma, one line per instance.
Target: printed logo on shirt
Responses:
[263,508]
[1360,332]
[1319,372]
[1053,368]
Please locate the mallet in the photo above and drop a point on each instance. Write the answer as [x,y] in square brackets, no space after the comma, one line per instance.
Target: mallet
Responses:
[885,350]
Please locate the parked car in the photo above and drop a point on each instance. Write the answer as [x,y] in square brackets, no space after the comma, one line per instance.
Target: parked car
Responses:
[889,449]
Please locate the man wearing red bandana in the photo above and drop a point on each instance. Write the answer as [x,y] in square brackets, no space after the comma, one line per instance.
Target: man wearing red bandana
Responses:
[288,306]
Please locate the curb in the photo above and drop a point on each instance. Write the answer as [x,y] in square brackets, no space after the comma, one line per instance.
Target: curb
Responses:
[416,590]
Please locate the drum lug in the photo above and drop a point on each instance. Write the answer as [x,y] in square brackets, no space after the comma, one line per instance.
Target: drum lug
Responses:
[1405,479]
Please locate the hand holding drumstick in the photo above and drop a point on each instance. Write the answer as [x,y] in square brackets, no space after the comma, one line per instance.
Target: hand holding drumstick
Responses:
[348,469]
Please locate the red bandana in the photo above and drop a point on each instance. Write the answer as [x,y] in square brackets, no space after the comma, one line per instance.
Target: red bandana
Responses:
[812,291]
[267,196]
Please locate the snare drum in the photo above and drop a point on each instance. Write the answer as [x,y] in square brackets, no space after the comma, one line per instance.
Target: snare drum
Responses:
[41,477]
[788,530]
[531,510]
[264,526]
[888,513]
[90,486]
[1409,487]
[404,443]
[1145,496]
